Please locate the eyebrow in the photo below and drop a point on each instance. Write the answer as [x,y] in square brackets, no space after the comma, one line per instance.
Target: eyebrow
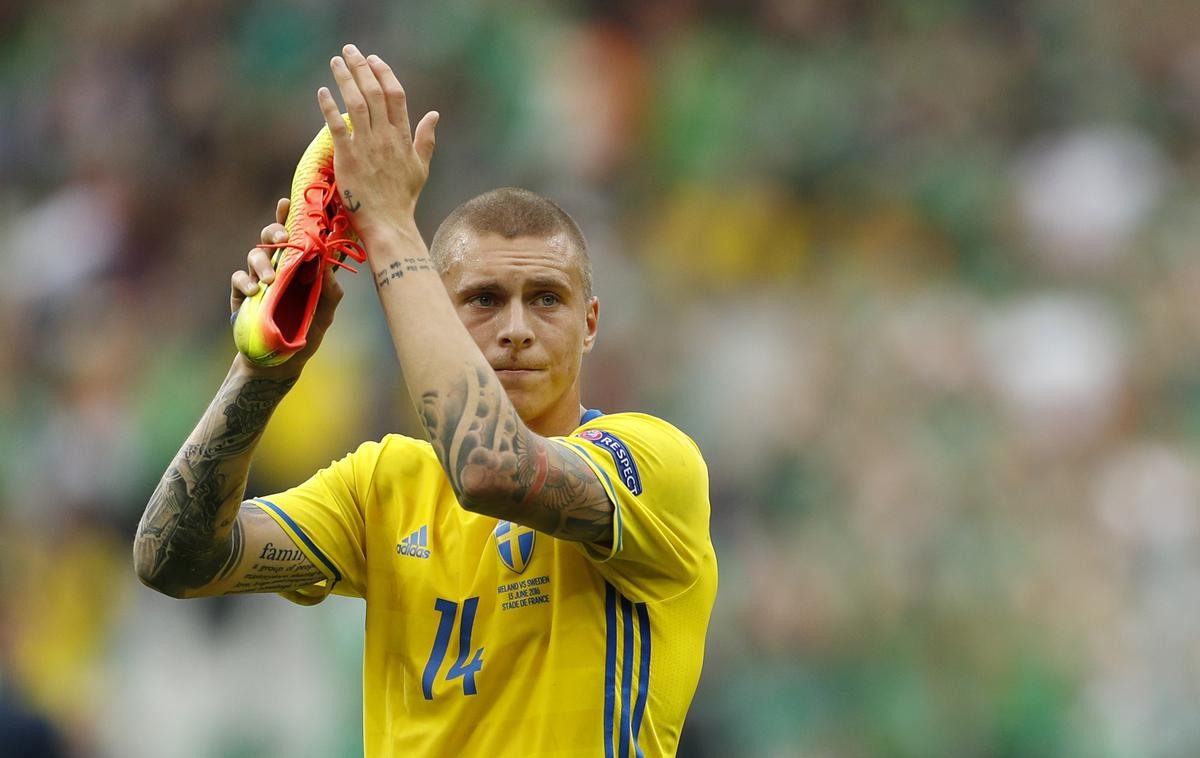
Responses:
[537,282]
[550,282]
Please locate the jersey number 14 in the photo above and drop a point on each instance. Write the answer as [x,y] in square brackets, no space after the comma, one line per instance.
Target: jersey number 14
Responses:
[461,668]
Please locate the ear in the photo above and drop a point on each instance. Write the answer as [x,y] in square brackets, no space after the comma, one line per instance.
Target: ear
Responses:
[591,317]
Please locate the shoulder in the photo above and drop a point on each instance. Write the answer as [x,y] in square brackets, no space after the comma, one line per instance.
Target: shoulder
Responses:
[399,444]
[648,441]
[639,427]
[395,453]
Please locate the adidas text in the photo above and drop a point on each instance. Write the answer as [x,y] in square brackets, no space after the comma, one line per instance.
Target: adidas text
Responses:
[404,548]
[415,545]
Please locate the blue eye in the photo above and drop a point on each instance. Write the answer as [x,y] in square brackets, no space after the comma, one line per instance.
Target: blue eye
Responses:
[485,300]
[547,299]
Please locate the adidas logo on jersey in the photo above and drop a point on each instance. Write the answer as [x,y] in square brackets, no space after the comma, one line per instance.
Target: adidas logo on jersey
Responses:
[415,545]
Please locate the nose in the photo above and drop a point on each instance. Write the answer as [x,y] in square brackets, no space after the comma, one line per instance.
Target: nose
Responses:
[515,331]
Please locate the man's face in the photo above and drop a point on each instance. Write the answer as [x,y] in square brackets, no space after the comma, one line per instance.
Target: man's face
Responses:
[522,300]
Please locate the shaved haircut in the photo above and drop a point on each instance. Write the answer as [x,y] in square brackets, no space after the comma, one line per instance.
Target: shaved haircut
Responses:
[510,212]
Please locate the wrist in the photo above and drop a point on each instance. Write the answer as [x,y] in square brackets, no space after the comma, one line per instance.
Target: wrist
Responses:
[246,369]
[396,238]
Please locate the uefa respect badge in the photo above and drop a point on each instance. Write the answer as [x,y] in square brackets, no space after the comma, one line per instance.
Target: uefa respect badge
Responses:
[627,468]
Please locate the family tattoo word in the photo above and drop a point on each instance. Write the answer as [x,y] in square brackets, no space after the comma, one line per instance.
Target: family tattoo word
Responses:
[278,574]
[274,569]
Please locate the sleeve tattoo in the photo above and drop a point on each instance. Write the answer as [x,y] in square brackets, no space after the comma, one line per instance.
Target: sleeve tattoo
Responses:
[499,467]
[191,534]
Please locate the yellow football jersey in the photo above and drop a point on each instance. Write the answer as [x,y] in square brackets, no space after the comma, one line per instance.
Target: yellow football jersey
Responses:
[486,638]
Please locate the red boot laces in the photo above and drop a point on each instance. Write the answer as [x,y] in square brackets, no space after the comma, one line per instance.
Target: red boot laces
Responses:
[328,232]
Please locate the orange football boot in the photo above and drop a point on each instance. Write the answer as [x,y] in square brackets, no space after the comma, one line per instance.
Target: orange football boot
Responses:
[272,324]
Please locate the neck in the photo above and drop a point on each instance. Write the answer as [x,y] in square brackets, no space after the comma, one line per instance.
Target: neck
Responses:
[560,420]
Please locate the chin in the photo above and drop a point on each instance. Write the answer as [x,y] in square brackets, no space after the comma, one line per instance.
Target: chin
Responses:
[532,408]
[526,403]
[532,396]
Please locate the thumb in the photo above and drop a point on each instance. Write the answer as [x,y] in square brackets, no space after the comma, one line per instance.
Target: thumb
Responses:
[424,138]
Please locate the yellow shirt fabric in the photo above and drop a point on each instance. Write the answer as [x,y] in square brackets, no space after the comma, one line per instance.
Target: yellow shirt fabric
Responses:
[486,638]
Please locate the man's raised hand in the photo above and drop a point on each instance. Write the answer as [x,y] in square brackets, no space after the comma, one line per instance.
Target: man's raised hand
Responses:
[382,165]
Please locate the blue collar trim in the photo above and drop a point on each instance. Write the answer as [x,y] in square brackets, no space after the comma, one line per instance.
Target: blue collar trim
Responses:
[590,415]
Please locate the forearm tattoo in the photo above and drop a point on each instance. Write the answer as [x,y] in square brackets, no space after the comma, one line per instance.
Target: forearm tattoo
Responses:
[499,467]
[188,535]
[397,270]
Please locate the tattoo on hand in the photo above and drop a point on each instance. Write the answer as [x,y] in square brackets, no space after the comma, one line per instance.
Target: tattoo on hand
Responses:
[179,541]
[485,448]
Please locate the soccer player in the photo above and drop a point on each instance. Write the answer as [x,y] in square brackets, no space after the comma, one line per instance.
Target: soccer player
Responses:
[539,579]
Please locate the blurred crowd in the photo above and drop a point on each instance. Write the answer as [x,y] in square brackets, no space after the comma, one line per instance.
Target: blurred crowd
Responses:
[919,277]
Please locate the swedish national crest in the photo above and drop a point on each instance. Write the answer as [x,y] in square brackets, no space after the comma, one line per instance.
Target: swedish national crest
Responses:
[514,542]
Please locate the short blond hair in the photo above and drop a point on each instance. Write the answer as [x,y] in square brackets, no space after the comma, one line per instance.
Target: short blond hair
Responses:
[511,212]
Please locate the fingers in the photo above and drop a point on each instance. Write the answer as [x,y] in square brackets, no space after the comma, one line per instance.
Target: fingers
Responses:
[258,264]
[352,96]
[424,140]
[273,234]
[368,84]
[333,119]
[244,284]
[241,286]
[393,92]
[370,90]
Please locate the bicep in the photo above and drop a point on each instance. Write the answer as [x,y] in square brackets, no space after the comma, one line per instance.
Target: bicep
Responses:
[262,558]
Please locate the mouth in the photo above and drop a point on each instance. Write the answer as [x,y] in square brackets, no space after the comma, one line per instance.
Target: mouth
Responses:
[516,372]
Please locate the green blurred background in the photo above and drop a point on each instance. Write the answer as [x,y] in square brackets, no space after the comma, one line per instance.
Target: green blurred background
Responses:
[919,276]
